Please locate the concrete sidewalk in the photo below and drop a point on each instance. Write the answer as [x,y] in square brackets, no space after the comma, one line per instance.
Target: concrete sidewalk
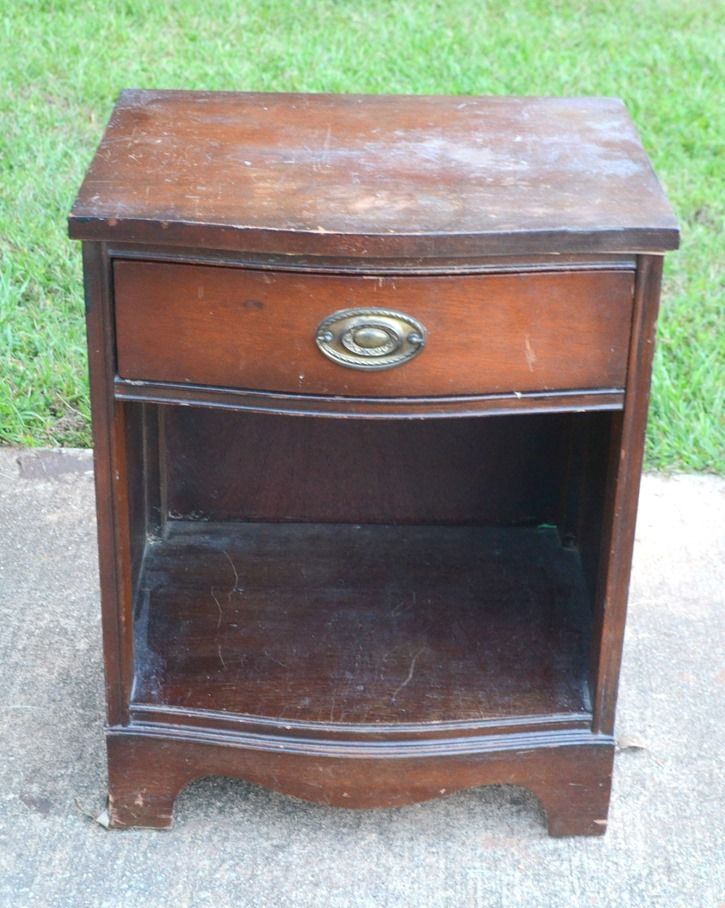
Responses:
[234,844]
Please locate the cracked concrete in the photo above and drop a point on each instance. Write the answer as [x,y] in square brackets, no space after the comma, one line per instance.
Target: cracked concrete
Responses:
[234,844]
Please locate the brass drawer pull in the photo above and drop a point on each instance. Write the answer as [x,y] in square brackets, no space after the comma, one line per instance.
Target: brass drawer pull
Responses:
[370,338]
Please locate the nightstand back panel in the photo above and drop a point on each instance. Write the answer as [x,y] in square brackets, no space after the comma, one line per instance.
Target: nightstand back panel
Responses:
[506,470]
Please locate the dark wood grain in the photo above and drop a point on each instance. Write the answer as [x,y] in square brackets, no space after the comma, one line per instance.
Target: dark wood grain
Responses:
[324,734]
[361,624]
[112,510]
[504,471]
[485,334]
[377,408]
[339,263]
[373,175]
[383,605]
[624,474]
[571,776]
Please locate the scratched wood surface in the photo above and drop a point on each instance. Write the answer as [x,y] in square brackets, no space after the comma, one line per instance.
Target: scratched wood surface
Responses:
[484,333]
[387,615]
[363,624]
[365,175]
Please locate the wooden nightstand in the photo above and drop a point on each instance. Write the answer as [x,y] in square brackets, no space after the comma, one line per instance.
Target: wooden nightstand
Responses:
[369,380]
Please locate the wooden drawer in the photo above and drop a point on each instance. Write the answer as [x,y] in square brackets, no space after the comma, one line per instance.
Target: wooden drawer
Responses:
[239,328]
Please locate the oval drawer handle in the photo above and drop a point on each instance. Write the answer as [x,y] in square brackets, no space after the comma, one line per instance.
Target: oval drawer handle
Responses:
[370,338]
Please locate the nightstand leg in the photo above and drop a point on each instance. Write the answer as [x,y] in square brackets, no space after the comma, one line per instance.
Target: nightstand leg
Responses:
[578,803]
[144,778]
[579,816]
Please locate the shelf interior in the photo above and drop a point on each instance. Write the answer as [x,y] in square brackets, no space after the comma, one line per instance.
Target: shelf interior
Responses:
[362,624]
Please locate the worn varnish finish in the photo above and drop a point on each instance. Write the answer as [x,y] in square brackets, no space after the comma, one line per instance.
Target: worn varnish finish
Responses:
[385,624]
[373,175]
[571,778]
[485,334]
[367,588]
[378,408]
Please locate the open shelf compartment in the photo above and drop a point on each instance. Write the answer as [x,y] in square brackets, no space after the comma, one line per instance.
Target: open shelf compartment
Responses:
[363,624]
[327,574]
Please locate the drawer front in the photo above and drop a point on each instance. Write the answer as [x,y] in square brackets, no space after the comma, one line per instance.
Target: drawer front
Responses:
[238,328]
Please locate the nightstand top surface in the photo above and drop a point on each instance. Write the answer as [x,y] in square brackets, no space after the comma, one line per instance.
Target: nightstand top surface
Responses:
[367,175]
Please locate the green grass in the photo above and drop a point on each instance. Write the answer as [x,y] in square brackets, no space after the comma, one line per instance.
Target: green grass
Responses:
[63,63]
